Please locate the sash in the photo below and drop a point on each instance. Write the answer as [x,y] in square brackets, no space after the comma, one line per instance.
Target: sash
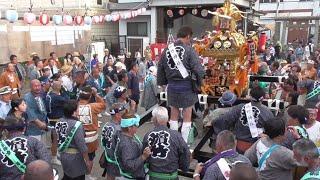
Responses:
[251,122]
[66,143]
[266,155]
[224,168]
[313,93]
[224,154]
[183,71]
[166,176]
[6,150]
[311,175]
[302,132]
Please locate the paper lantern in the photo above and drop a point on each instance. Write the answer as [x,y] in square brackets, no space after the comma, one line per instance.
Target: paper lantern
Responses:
[139,11]
[123,16]
[181,12]
[29,18]
[143,9]
[44,19]
[67,19]
[101,20]
[115,17]
[108,18]
[134,13]
[12,15]
[204,13]
[57,19]
[96,19]
[170,13]
[87,20]
[194,11]
[78,20]
[262,42]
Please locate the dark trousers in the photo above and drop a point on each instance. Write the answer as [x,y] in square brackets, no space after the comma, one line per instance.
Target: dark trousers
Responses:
[65,177]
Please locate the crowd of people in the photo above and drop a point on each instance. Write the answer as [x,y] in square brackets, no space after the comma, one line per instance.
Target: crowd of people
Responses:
[56,104]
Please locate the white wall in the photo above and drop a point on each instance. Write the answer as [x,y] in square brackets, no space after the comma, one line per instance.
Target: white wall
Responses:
[123,28]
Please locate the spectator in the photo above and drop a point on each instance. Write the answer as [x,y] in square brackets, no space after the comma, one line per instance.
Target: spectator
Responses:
[107,56]
[274,161]
[268,57]
[56,62]
[66,77]
[133,83]
[312,127]
[137,55]
[141,73]
[175,152]
[19,69]
[25,148]
[299,52]
[307,154]
[36,73]
[226,149]
[18,110]
[310,72]
[98,82]
[5,101]
[37,170]
[10,78]
[53,67]
[68,58]
[290,57]
[94,62]
[150,92]
[75,159]
[36,111]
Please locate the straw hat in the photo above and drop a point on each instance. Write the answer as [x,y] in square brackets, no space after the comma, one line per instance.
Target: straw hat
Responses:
[66,69]
[76,54]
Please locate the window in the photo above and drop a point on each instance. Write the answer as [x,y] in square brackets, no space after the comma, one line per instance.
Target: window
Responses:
[99,2]
[137,28]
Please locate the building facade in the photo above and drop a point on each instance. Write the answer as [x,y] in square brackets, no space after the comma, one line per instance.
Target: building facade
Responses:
[20,42]
[134,33]
[291,21]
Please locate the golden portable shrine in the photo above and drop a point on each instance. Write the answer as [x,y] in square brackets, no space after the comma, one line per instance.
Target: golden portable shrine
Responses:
[230,55]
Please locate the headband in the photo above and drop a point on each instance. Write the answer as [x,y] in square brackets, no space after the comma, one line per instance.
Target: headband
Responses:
[130,122]
[117,110]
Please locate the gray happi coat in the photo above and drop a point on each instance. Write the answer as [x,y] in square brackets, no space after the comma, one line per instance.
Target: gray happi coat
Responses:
[180,92]
[109,136]
[236,118]
[27,149]
[73,164]
[169,151]
[128,153]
